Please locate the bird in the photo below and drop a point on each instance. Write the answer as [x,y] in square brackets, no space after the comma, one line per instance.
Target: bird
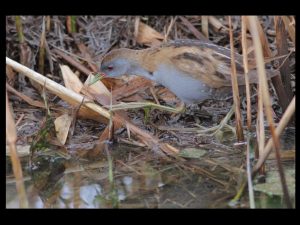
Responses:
[193,70]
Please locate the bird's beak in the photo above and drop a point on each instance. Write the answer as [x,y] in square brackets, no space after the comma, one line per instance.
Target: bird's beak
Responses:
[97,76]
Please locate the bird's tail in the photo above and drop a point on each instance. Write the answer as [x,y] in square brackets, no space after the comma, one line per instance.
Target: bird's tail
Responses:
[253,75]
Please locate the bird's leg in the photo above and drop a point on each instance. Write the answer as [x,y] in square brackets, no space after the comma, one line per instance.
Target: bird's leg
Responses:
[180,108]
[136,105]
[213,130]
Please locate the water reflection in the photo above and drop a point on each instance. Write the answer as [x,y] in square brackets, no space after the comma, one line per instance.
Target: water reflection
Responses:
[76,184]
[140,180]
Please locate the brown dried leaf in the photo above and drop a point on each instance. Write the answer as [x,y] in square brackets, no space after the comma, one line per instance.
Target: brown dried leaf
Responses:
[72,82]
[137,84]
[96,91]
[148,36]
[62,126]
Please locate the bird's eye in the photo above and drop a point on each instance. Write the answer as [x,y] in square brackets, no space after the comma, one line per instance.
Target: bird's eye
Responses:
[110,67]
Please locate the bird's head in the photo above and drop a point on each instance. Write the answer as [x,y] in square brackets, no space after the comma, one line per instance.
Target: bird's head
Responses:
[115,63]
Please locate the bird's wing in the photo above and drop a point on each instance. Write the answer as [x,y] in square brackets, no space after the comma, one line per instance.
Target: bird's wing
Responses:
[209,62]
[205,61]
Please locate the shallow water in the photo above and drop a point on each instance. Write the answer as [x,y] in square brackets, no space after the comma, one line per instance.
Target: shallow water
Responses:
[138,183]
[140,180]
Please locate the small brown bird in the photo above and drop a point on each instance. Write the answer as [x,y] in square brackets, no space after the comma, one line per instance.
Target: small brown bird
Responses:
[193,70]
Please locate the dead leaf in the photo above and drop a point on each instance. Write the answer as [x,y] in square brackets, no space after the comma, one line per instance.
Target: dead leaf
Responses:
[96,91]
[71,81]
[137,84]
[148,36]
[62,126]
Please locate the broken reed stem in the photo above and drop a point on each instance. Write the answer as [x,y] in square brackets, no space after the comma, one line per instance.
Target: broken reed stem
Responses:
[11,137]
[249,177]
[235,88]
[204,25]
[260,128]
[266,100]
[245,62]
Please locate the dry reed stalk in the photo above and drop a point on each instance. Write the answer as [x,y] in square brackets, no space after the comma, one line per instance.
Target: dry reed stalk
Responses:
[245,62]
[235,89]
[11,137]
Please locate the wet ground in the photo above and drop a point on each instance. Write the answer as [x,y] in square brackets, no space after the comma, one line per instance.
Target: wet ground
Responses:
[135,178]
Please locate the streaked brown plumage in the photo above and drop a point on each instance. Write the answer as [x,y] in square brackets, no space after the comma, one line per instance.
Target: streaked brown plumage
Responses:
[193,70]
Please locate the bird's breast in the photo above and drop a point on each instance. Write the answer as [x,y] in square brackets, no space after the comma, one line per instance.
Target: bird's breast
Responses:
[182,85]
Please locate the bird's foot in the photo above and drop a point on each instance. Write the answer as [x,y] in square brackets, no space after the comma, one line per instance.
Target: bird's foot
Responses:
[212,131]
